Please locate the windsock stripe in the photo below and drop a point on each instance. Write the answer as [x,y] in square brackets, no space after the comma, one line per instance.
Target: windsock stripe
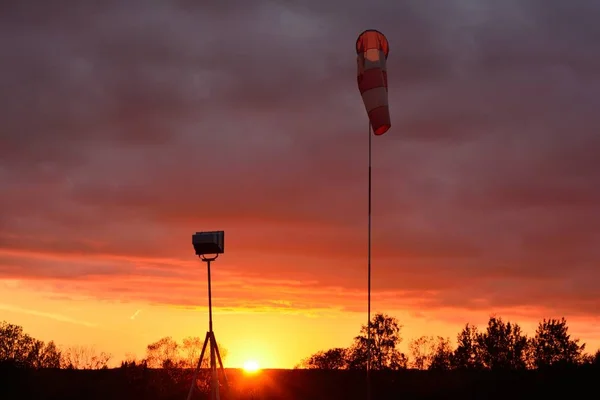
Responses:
[376,60]
[371,79]
[374,98]
[365,64]
[385,81]
[380,120]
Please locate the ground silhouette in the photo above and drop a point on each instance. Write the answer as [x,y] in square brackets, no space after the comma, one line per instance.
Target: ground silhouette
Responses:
[302,384]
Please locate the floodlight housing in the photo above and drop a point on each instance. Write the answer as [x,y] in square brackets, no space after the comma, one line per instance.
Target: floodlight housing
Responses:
[209,242]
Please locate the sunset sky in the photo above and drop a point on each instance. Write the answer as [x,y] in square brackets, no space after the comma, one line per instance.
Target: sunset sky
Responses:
[127,126]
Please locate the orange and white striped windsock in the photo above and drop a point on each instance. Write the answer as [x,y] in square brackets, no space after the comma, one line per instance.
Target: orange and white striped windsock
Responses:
[372,50]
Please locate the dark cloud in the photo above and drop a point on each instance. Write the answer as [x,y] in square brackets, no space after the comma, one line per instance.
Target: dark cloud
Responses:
[127,125]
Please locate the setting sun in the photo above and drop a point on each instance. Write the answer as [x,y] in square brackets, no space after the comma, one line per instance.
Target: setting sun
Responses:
[251,366]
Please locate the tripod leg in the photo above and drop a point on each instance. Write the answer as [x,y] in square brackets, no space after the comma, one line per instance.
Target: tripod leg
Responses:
[194,379]
[214,377]
[220,362]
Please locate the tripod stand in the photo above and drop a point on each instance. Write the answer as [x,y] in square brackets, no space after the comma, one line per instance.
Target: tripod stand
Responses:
[214,349]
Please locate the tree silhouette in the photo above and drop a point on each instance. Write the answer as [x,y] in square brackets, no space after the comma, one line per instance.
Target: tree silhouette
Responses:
[595,360]
[167,353]
[164,353]
[15,345]
[49,356]
[422,351]
[441,359]
[467,354]
[84,357]
[336,358]
[385,336]
[502,345]
[553,346]
[21,350]
[191,349]
[130,361]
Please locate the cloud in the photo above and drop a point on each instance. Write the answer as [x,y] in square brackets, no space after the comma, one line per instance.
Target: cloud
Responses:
[126,127]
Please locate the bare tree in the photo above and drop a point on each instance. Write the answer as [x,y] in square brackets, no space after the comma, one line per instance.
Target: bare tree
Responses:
[163,353]
[421,352]
[84,357]
[190,350]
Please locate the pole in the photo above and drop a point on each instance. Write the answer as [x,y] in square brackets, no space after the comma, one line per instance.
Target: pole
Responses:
[214,348]
[210,322]
[369,281]
[214,380]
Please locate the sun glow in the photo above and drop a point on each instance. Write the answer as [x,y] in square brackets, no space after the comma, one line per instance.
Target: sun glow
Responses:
[251,366]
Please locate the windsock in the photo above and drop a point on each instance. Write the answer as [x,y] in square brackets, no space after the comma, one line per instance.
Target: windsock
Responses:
[372,50]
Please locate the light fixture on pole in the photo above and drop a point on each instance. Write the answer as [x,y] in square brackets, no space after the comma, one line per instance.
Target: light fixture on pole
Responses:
[208,246]
[372,50]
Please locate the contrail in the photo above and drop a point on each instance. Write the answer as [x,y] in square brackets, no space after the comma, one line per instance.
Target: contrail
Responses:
[135,314]
[54,316]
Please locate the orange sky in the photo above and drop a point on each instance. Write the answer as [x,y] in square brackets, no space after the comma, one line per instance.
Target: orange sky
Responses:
[126,128]
[275,322]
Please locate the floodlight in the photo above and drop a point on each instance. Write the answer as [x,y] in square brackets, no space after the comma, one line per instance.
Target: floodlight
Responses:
[209,242]
[208,246]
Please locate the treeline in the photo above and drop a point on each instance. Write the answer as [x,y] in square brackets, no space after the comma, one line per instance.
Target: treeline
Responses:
[20,350]
[501,346]
[167,353]
[167,367]
[172,363]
